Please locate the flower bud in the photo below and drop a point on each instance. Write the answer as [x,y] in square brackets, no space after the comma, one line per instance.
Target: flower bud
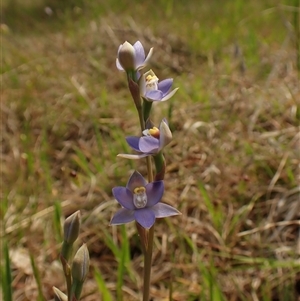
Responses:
[80,268]
[81,263]
[71,228]
[126,56]
[59,296]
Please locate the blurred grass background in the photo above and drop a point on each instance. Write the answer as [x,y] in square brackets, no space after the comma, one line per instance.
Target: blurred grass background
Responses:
[233,167]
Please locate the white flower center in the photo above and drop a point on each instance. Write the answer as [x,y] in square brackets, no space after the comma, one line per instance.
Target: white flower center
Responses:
[154,132]
[151,82]
[139,197]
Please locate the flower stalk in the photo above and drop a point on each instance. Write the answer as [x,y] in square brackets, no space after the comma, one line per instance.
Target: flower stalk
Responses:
[146,237]
[140,199]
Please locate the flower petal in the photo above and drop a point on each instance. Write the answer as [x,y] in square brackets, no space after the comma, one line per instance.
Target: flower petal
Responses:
[139,53]
[145,217]
[165,134]
[147,58]
[119,65]
[133,142]
[133,157]
[148,144]
[169,95]
[165,85]
[164,210]
[122,216]
[154,95]
[124,197]
[154,191]
[142,85]
[136,180]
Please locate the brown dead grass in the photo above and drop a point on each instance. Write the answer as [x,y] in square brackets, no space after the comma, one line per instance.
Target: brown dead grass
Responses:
[240,140]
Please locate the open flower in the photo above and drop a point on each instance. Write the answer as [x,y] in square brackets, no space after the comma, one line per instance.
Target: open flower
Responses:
[132,57]
[151,143]
[154,90]
[140,202]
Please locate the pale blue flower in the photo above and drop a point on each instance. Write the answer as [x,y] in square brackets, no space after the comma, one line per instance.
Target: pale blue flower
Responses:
[151,143]
[154,90]
[141,202]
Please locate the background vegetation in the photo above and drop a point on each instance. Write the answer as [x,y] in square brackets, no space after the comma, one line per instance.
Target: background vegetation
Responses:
[233,167]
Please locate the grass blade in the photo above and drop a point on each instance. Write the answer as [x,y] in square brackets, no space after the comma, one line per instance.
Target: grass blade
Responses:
[57,221]
[106,295]
[37,278]
[216,215]
[6,275]
[123,260]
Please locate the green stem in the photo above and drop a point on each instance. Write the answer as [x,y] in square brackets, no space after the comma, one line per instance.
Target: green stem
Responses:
[160,166]
[147,105]
[148,159]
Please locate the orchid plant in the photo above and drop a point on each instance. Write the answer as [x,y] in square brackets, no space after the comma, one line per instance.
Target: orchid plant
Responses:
[141,199]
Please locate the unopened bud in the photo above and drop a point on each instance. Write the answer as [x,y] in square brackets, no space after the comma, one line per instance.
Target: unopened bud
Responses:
[81,263]
[126,56]
[71,228]
[80,269]
[59,296]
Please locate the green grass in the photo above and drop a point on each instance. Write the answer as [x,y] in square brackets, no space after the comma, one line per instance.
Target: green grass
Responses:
[232,167]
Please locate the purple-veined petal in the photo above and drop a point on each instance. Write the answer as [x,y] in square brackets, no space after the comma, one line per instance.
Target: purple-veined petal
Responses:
[122,216]
[133,142]
[165,85]
[154,95]
[136,180]
[124,197]
[154,191]
[133,157]
[164,210]
[165,134]
[148,144]
[145,217]
[139,53]
[169,95]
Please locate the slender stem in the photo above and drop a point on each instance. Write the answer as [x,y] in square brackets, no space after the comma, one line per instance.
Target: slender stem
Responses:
[149,168]
[148,264]
[146,236]
[68,277]
[141,118]
[148,159]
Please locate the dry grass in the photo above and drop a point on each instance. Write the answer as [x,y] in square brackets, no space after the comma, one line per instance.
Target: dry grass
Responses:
[233,166]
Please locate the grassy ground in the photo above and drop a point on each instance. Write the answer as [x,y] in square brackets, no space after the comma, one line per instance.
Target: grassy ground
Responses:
[233,167]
